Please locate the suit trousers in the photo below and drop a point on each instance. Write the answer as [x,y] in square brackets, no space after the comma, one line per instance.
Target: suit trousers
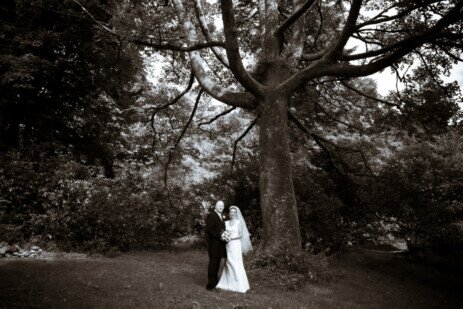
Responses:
[213,272]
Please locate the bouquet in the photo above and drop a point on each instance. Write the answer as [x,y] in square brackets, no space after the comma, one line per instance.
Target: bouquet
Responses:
[226,235]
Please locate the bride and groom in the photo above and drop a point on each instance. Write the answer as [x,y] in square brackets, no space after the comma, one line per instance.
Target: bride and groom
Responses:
[227,239]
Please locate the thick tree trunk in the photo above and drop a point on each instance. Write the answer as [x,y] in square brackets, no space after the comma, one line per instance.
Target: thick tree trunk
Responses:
[278,202]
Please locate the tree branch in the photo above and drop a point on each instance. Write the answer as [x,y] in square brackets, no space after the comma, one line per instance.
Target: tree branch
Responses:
[295,45]
[233,53]
[363,94]
[366,41]
[378,20]
[320,28]
[159,46]
[293,17]
[453,37]
[381,51]
[334,94]
[416,40]
[433,77]
[224,95]
[320,140]
[313,56]
[205,30]
[333,117]
[240,138]
[448,53]
[96,21]
[175,100]
[347,31]
[218,116]
[68,58]
[326,81]
[250,16]
[174,47]
[177,142]
[324,67]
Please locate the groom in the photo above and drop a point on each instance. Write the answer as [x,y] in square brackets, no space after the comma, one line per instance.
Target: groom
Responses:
[214,227]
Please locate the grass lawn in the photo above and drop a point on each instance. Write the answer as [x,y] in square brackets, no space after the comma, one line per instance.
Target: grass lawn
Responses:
[177,279]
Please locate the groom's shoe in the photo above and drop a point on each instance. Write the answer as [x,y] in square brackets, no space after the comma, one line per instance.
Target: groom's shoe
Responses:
[209,287]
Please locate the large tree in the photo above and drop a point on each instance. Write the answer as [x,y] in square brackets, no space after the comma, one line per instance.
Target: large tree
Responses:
[295,46]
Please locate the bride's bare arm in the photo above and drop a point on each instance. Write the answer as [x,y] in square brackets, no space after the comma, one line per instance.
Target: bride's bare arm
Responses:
[240,231]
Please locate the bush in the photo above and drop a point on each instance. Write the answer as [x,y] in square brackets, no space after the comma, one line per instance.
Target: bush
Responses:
[109,213]
[80,210]
[129,211]
[420,188]
[320,214]
[288,270]
[22,186]
[285,269]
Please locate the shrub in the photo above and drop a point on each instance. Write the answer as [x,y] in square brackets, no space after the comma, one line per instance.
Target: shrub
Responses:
[420,188]
[23,183]
[80,210]
[285,269]
[126,212]
[320,214]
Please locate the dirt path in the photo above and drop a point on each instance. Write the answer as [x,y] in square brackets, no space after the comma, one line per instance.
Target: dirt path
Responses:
[177,280]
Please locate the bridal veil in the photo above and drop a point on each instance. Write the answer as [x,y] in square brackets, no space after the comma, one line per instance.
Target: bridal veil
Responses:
[246,245]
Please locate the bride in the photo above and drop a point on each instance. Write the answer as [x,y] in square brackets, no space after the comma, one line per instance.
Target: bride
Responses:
[234,276]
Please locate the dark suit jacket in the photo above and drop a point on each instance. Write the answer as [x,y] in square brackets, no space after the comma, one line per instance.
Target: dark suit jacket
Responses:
[214,229]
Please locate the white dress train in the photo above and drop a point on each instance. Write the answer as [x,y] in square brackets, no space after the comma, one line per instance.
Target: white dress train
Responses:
[234,276]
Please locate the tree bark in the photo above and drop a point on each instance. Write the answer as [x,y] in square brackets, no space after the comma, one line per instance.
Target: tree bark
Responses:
[277,198]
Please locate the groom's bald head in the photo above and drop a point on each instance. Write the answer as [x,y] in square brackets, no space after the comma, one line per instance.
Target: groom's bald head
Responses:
[219,206]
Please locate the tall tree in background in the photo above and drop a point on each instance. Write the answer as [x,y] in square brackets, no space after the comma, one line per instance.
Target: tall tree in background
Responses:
[297,46]
[63,80]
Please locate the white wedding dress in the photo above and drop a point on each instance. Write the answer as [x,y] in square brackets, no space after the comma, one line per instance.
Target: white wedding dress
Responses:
[234,276]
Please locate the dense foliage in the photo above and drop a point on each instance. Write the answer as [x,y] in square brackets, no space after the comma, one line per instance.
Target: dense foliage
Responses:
[63,80]
[70,204]
[420,188]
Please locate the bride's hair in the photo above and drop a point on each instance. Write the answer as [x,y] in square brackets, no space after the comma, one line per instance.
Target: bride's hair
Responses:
[246,245]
